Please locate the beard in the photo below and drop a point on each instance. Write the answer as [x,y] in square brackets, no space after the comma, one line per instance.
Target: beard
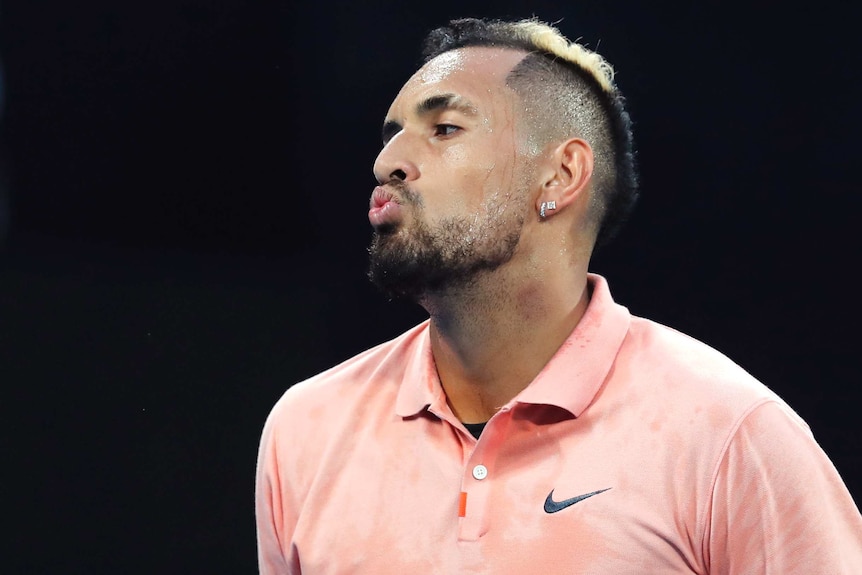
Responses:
[409,262]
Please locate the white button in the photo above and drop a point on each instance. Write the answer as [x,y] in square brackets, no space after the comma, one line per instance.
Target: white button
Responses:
[480,472]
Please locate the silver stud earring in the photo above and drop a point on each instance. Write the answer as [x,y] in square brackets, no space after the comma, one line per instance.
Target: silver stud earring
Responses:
[546,206]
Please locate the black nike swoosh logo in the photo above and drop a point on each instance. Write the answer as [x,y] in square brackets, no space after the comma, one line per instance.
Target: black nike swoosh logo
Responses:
[552,506]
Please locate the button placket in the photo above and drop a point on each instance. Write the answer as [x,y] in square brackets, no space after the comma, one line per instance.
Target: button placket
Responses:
[478,478]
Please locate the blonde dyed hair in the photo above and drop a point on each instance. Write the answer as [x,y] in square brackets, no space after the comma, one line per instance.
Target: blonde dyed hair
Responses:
[549,39]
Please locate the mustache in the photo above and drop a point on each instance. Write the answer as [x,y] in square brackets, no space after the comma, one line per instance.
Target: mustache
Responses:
[404,193]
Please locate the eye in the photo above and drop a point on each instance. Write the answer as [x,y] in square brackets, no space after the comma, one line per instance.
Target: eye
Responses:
[445,129]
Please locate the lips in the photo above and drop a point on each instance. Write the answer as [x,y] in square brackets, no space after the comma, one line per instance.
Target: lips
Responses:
[384,208]
[380,197]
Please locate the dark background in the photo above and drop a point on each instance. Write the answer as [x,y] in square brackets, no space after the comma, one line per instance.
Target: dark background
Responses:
[185,186]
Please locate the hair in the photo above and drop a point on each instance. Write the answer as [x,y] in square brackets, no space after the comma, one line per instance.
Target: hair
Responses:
[568,91]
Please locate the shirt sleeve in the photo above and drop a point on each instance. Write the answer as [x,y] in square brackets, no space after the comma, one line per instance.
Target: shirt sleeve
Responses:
[270,510]
[779,505]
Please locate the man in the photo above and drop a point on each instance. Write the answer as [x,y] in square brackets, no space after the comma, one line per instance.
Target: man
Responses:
[531,425]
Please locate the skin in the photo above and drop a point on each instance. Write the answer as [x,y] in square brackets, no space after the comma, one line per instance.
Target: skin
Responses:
[491,336]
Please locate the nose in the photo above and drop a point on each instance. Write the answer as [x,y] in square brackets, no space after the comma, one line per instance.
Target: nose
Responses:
[394,161]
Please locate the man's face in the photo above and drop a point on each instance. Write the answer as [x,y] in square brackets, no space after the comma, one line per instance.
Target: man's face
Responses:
[454,189]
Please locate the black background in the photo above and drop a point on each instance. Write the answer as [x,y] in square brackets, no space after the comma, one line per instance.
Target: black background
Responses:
[185,189]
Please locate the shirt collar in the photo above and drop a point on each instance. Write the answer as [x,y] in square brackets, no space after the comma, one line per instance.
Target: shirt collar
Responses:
[579,368]
[420,387]
[570,380]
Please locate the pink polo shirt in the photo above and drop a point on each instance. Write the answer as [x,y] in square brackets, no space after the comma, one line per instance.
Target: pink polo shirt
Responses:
[636,450]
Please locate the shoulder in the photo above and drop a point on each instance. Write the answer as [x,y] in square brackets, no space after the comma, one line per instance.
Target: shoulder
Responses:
[689,387]
[374,374]
[318,420]
[691,369]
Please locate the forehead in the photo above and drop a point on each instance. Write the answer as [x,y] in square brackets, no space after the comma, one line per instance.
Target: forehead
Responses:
[477,74]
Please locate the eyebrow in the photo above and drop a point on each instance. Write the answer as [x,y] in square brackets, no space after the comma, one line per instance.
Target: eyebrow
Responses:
[445,102]
[431,104]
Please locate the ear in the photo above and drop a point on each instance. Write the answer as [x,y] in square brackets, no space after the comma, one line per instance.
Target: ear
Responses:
[567,181]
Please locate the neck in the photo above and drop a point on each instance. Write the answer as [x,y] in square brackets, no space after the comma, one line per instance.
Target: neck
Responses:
[492,338]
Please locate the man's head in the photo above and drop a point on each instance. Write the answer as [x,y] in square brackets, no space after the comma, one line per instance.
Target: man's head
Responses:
[467,146]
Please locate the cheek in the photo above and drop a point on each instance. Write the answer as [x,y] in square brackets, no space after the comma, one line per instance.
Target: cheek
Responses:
[471,163]
[476,174]
[464,172]
[455,155]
